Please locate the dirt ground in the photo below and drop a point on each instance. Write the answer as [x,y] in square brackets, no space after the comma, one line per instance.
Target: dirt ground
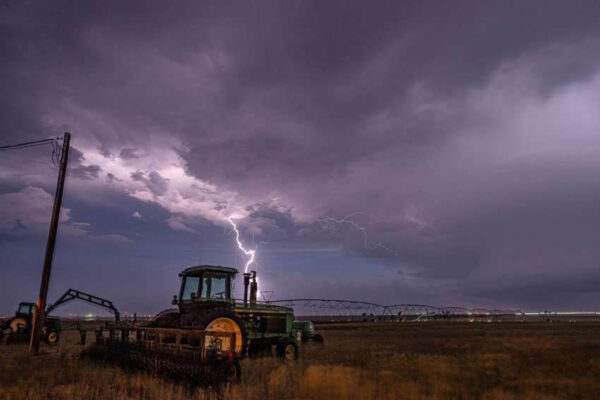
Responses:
[400,360]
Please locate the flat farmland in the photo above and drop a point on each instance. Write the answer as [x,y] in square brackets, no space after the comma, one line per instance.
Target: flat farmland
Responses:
[415,360]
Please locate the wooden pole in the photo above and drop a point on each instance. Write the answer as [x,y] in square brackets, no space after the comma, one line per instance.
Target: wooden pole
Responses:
[38,314]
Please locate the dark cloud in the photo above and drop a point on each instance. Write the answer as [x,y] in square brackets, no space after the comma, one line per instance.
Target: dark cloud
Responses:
[457,142]
[77,169]
[127,153]
[154,182]
[85,172]
[111,178]
[138,176]
[105,152]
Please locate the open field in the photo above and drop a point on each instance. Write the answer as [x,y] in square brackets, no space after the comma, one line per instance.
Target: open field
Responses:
[432,360]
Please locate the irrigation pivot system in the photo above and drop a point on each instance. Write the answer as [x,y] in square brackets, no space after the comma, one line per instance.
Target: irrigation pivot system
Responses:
[331,307]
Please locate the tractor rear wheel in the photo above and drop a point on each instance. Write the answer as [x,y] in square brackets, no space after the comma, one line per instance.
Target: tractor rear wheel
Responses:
[217,321]
[17,324]
[287,349]
[17,330]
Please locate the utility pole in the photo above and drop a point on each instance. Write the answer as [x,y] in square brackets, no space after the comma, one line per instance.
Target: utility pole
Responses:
[38,314]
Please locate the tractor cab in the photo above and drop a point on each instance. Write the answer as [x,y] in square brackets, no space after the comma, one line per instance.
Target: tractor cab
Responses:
[206,283]
[25,310]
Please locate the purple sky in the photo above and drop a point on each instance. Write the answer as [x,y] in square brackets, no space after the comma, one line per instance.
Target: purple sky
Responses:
[462,138]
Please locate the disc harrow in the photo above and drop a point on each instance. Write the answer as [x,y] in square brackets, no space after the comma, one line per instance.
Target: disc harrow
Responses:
[198,357]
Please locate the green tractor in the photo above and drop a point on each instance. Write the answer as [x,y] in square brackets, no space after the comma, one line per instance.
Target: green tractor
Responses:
[18,328]
[206,302]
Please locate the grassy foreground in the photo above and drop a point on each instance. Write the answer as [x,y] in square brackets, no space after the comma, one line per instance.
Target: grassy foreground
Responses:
[430,360]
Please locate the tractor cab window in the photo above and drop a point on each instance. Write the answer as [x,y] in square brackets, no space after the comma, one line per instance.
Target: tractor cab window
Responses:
[191,285]
[211,285]
[214,286]
[25,309]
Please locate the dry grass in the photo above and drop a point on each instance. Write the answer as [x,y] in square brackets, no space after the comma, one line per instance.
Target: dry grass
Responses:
[434,360]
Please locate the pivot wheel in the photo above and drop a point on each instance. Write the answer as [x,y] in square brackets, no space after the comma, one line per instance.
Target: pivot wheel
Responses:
[288,350]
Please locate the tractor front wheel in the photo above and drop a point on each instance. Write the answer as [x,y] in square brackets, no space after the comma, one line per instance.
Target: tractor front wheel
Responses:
[288,350]
[52,337]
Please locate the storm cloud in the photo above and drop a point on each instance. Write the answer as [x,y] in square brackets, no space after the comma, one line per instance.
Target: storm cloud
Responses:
[448,151]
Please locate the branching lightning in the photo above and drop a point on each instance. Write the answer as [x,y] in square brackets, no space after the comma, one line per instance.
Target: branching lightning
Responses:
[330,221]
[251,253]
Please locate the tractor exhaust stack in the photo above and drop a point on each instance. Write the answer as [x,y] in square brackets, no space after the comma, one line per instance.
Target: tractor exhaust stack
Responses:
[253,289]
[246,284]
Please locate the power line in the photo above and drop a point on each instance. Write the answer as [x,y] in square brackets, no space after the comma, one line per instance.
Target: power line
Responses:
[29,144]
[56,153]
[56,150]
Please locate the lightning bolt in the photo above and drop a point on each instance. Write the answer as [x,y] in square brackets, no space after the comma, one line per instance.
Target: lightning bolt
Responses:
[251,253]
[328,222]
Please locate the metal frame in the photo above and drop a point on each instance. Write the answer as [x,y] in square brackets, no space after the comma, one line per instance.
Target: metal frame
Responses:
[73,294]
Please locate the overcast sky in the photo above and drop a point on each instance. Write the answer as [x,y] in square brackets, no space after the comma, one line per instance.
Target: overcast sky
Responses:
[431,152]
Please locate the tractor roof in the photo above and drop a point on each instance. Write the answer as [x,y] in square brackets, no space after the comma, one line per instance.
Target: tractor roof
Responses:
[213,268]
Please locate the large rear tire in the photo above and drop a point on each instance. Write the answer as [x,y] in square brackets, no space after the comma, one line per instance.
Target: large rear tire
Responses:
[17,324]
[17,330]
[229,323]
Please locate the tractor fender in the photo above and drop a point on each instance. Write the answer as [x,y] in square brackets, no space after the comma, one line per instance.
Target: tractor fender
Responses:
[165,319]
[53,323]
